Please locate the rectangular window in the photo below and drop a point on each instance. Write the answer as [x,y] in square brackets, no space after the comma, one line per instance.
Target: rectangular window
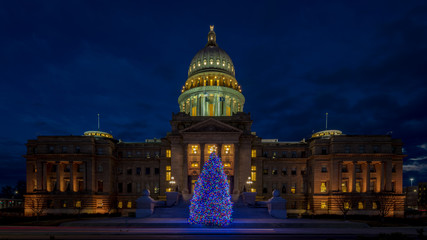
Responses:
[64,203]
[120,187]
[274,172]
[323,205]
[294,171]
[393,186]
[376,149]
[344,168]
[344,185]
[81,168]
[227,111]
[80,185]
[168,153]
[211,109]
[64,149]
[100,186]
[360,205]
[284,171]
[129,171]
[324,169]
[78,204]
[147,171]
[374,205]
[347,149]
[284,188]
[67,168]
[358,186]
[393,168]
[324,152]
[372,184]
[293,188]
[168,173]
[129,205]
[294,154]
[194,111]
[129,187]
[138,171]
[120,204]
[253,153]
[54,168]
[362,149]
[156,171]
[284,154]
[99,203]
[358,168]
[274,154]
[323,188]
[372,168]
[265,171]
[253,173]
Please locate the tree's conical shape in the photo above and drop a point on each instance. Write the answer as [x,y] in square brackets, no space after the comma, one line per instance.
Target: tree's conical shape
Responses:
[211,203]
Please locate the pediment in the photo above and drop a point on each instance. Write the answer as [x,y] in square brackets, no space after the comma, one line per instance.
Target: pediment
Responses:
[211,125]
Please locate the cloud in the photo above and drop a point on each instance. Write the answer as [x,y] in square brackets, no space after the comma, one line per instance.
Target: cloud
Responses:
[418,158]
[415,167]
[423,146]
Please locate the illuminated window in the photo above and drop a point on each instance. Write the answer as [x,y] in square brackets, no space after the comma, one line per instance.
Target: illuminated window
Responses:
[217,62]
[344,186]
[228,111]
[253,190]
[211,109]
[360,205]
[78,204]
[168,189]
[168,173]
[198,63]
[293,188]
[274,171]
[323,205]
[194,111]
[253,173]
[227,165]
[211,61]
[227,149]
[253,153]
[323,188]
[204,62]
[211,148]
[374,205]
[64,203]
[129,205]
[358,186]
[346,205]
[99,203]
[168,153]
[194,165]
[120,205]
[194,149]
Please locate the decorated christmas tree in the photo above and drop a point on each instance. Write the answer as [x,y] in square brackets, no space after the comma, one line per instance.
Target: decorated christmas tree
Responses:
[211,204]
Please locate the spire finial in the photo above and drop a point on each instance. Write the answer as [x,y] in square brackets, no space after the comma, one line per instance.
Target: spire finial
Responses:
[211,37]
[98,122]
[326,128]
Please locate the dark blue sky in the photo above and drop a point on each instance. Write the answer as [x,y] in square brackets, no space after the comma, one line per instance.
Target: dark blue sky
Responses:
[62,62]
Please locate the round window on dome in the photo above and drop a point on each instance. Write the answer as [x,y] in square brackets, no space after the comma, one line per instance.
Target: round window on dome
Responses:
[217,62]
[198,63]
[211,61]
[204,62]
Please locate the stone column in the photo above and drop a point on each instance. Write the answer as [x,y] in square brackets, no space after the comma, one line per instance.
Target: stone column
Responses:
[388,175]
[236,168]
[219,151]
[382,185]
[40,175]
[71,176]
[184,187]
[44,176]
[353,177]
[202,156]
[339,176]
[368,177]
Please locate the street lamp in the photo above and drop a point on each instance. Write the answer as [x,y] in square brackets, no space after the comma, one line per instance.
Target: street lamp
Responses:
[249,182]
[172,182]
[411,179]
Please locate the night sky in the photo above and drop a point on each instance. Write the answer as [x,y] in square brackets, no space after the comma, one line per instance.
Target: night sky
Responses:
[62,62]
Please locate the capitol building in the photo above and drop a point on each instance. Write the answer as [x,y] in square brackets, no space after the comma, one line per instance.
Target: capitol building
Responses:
[96,173]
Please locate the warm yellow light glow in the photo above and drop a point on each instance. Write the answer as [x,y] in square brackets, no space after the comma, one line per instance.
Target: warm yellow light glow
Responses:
[323,205]
[253,173]
[227,165]
[194,149]
[253,153]
[323,188]
[78,204]
[168,153]
[212,148]
[360,205]
[129,204]
[120,205]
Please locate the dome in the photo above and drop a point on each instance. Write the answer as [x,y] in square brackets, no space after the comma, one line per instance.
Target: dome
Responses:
[211,58]
[211,88]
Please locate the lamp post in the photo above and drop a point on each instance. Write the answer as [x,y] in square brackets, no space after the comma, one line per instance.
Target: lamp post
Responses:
[249,182]
[172,183]
[411,179]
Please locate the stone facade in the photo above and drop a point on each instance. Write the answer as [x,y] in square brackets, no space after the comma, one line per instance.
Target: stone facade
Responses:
[96,173]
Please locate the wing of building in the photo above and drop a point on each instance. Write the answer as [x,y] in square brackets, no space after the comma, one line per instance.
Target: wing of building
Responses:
[95,173]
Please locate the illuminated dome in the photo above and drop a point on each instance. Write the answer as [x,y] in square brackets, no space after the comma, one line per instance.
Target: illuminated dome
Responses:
[98,134]
[211,88]
[326,133]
